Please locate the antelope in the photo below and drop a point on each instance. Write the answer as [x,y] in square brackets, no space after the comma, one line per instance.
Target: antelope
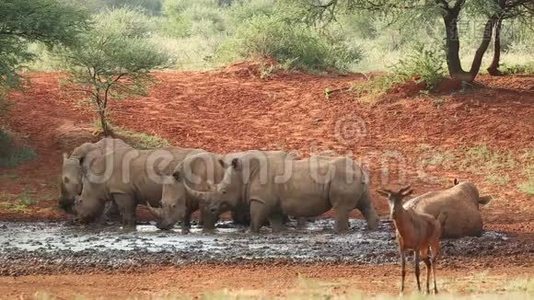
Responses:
[415,231]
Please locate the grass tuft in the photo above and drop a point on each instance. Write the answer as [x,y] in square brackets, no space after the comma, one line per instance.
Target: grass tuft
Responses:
[140,140]
[12,155]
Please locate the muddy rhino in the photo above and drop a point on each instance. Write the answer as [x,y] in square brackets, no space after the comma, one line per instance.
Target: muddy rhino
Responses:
[80,159]
[199,172]
[275,186]
[178,205]
[129,177]
[461,205]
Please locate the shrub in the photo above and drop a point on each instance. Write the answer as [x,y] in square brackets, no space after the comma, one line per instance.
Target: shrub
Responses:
[186,18]
[527,68]
[113,60]
[11,155]
[422,64]
[290,42]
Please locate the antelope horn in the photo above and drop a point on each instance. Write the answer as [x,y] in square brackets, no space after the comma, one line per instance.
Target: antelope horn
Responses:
[404,189]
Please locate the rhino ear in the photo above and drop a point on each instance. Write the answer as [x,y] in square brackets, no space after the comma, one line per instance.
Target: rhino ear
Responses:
[65,156]
[236,163]
[177,175]
[483,200]
[65,180]
[455,181]
[221,162]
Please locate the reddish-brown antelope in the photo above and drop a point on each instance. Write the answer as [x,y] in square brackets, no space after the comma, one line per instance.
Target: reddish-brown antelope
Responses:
[415,231]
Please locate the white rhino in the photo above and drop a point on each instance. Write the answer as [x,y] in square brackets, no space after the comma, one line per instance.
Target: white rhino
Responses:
[460,203]
[81,158]
[128,177]
[276,185]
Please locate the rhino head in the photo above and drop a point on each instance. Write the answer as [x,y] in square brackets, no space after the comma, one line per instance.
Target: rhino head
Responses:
[173,203]
[71,181]
[224,195]
[90,204]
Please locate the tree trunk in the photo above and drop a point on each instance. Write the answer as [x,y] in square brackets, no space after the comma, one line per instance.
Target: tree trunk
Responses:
[484,44]
[103,122]
[452,43]
[493,69]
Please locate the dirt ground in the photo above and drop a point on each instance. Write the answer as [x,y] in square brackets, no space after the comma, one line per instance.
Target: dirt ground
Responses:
[251,279]
[233,109]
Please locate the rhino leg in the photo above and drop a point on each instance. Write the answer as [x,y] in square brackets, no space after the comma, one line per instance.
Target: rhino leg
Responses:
[258,215]
[186,223]
[277,222]
[127,206]
[241,214]
[365,206]
[209,219]
[342,219]
[111,212]
[301,223]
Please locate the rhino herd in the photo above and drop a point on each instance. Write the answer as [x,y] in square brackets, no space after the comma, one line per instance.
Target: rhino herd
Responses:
[109,178]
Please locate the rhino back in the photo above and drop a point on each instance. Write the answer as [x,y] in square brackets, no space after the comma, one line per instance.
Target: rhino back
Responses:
[463,217]
[138,173]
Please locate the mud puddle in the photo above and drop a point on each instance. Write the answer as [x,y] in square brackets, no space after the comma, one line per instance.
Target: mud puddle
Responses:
[50,247]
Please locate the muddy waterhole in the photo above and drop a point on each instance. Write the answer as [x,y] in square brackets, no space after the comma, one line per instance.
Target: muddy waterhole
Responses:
[44,247]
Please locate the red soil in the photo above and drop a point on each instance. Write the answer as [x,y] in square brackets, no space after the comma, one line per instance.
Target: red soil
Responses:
[234,109]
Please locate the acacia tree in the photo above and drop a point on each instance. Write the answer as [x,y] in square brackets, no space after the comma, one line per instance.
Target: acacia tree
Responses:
[22,22]
[522,10]
[113,59]
[449,10]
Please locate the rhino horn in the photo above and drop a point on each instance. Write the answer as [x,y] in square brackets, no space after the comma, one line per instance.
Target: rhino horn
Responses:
[155,210]
[197,194]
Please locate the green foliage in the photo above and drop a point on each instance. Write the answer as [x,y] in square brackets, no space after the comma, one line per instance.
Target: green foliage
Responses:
[140,140]
[290,42]
[243,10]
[12,155]
[187,18]
[149,7]
[113,59]
[527,68]
[22,22]
[422,64]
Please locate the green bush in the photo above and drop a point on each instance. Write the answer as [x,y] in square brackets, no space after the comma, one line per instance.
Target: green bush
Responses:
[12,155]
[113,59]
[527,68]
[423,64]
[290,42]
[186,18]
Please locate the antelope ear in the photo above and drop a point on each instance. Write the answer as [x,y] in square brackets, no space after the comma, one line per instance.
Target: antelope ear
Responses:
[483,200]
[383,193]
[236,163]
